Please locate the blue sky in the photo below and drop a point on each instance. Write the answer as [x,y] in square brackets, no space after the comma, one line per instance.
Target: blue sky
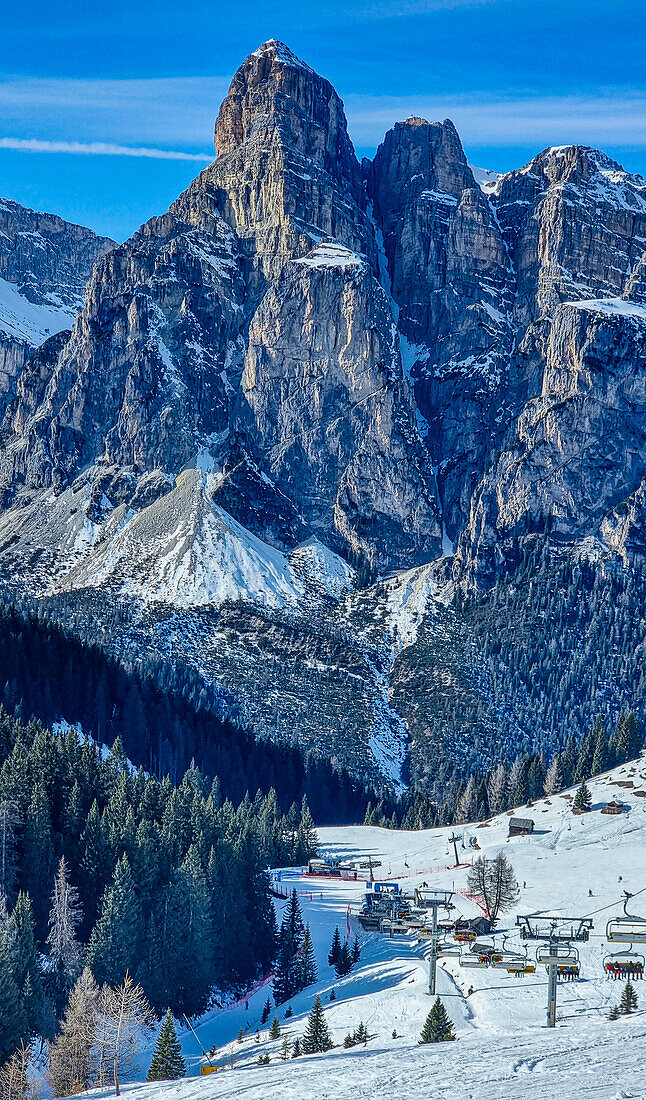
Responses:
[107,109]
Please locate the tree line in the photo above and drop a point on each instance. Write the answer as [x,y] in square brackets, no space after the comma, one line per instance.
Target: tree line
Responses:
[48,673]
[527,778]
[167,883]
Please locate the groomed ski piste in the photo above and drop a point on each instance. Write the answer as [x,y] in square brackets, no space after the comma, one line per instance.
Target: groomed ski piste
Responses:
[571,865]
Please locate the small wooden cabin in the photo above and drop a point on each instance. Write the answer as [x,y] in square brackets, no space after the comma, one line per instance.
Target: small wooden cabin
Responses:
[520,826]
[613,808]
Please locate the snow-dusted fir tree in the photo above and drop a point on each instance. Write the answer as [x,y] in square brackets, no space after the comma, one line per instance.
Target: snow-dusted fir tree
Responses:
[498,789]
[316,1039]
[553,779]
[65,916]
[167,1062]
[438,1027]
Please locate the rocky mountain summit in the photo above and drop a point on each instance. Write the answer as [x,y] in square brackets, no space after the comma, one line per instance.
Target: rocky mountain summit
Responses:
[308,376]
[44,266]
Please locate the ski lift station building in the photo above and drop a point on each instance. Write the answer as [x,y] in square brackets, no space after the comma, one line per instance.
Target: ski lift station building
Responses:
[520,826]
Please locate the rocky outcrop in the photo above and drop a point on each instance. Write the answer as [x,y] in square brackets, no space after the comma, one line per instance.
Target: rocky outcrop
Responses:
[44,266]
[145,372]
[578,451]
[575,225]
[328,416]
[272,321]
[285,165]
[451,279]
[152,375]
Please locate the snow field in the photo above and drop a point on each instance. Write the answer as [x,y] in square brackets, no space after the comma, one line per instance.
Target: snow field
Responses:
[504,1051]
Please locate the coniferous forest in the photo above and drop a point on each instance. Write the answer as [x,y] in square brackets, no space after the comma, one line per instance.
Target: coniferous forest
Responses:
[104,864]
[48,673]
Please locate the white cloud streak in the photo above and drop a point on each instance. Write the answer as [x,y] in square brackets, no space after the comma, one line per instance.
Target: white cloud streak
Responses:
[616,119]
[97,149]
[172,118]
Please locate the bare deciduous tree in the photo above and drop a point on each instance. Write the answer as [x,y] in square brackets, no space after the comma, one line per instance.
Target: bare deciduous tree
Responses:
[493,881]
[70,1065]
[15,1083]
[127,1018]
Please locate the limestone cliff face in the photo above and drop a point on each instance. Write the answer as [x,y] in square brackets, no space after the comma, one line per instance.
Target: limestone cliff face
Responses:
[285,165]
[376,356]
[327,413]
[575,225]
[145,369]
[452,281]
[152,375]
[578,452]
[44,266]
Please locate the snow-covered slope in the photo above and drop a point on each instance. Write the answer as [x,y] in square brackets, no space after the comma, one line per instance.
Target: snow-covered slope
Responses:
[32,322]
[186,551]
[572,865]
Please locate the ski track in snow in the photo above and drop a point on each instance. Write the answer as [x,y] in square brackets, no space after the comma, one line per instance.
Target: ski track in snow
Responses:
[504,1051]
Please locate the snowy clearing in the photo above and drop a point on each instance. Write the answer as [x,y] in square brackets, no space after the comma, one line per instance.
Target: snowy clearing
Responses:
[504,1051]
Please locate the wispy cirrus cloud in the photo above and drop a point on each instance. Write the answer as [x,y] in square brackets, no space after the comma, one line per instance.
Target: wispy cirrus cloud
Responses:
[485,120]
[171,118]
[177,113]
[97,148]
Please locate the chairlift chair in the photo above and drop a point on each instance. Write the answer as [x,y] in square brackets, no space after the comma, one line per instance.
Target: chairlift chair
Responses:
[512,961]
[478,962]
[627,929]
[563,955]
[448,950]
[464,935]
[624,965]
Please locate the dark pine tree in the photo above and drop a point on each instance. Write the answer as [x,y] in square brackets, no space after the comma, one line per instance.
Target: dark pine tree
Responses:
[438,1027]
[13,1025]
[308,959]
[316,1039]
[167,1063]
[288,969]
[116,935]
[335,950]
